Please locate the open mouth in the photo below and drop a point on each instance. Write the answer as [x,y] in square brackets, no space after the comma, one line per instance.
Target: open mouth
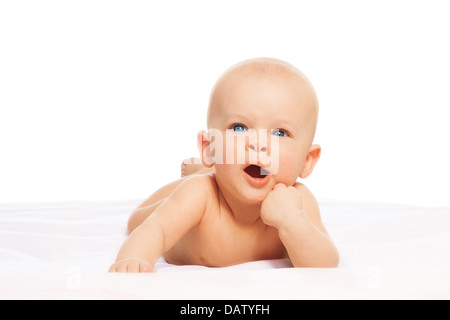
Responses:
[256,172]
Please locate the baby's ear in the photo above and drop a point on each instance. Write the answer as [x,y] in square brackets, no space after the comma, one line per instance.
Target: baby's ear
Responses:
[311,160]
[203,145]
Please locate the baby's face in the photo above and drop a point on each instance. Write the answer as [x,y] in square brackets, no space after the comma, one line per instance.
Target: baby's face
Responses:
[267,121]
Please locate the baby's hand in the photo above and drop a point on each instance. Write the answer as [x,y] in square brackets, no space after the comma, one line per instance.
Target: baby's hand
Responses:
[131,265]
[281,205]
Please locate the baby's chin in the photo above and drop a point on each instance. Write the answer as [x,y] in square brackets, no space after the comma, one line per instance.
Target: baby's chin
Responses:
[247,194]
[254,199]
[254,196]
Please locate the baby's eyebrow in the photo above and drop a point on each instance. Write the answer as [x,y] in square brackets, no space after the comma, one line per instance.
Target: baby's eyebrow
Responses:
[283,123]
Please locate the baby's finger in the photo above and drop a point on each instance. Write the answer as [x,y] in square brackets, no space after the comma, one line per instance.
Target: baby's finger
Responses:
[145,267]
[133,267]
[121,267]
[279,186]
[113,268]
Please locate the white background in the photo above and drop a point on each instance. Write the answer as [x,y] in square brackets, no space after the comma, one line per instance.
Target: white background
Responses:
[101,100]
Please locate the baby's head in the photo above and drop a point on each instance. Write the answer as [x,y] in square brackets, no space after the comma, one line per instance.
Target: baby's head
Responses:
[260,109]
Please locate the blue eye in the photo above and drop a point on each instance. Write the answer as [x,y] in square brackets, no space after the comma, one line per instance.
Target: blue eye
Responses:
[238,128]
[279,133]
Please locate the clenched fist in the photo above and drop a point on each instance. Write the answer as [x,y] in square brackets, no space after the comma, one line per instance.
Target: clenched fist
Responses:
[281,206]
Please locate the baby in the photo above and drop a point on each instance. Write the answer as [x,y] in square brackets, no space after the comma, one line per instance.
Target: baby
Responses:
[241,201]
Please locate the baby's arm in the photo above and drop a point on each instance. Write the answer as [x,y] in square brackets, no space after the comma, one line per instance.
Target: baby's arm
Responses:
[182,211]
[295,213]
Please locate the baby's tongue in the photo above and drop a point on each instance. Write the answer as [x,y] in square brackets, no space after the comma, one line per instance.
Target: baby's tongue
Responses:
[256,171]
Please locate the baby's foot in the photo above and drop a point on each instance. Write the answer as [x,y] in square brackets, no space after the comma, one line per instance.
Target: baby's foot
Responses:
[190,166]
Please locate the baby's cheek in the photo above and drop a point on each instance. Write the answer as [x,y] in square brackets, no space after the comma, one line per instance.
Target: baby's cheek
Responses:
[289,169]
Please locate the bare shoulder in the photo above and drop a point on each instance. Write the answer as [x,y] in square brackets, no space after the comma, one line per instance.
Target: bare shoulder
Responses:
[197,187]
[201,182]
[310,205]
[186,205]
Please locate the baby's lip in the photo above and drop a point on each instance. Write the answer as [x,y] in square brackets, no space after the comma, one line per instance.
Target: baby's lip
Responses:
[256,175]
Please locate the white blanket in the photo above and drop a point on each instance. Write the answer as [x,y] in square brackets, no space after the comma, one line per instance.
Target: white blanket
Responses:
[63,251]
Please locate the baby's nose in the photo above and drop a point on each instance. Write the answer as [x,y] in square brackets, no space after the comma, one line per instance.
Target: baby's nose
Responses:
[257,144]
[252,147]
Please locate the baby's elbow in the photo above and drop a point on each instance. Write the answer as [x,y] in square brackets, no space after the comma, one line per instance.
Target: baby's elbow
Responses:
[331,257]
[328,264]
[330,261]
[334,260]
[334,263]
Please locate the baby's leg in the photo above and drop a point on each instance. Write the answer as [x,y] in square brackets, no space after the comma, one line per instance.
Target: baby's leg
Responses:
[192,166]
